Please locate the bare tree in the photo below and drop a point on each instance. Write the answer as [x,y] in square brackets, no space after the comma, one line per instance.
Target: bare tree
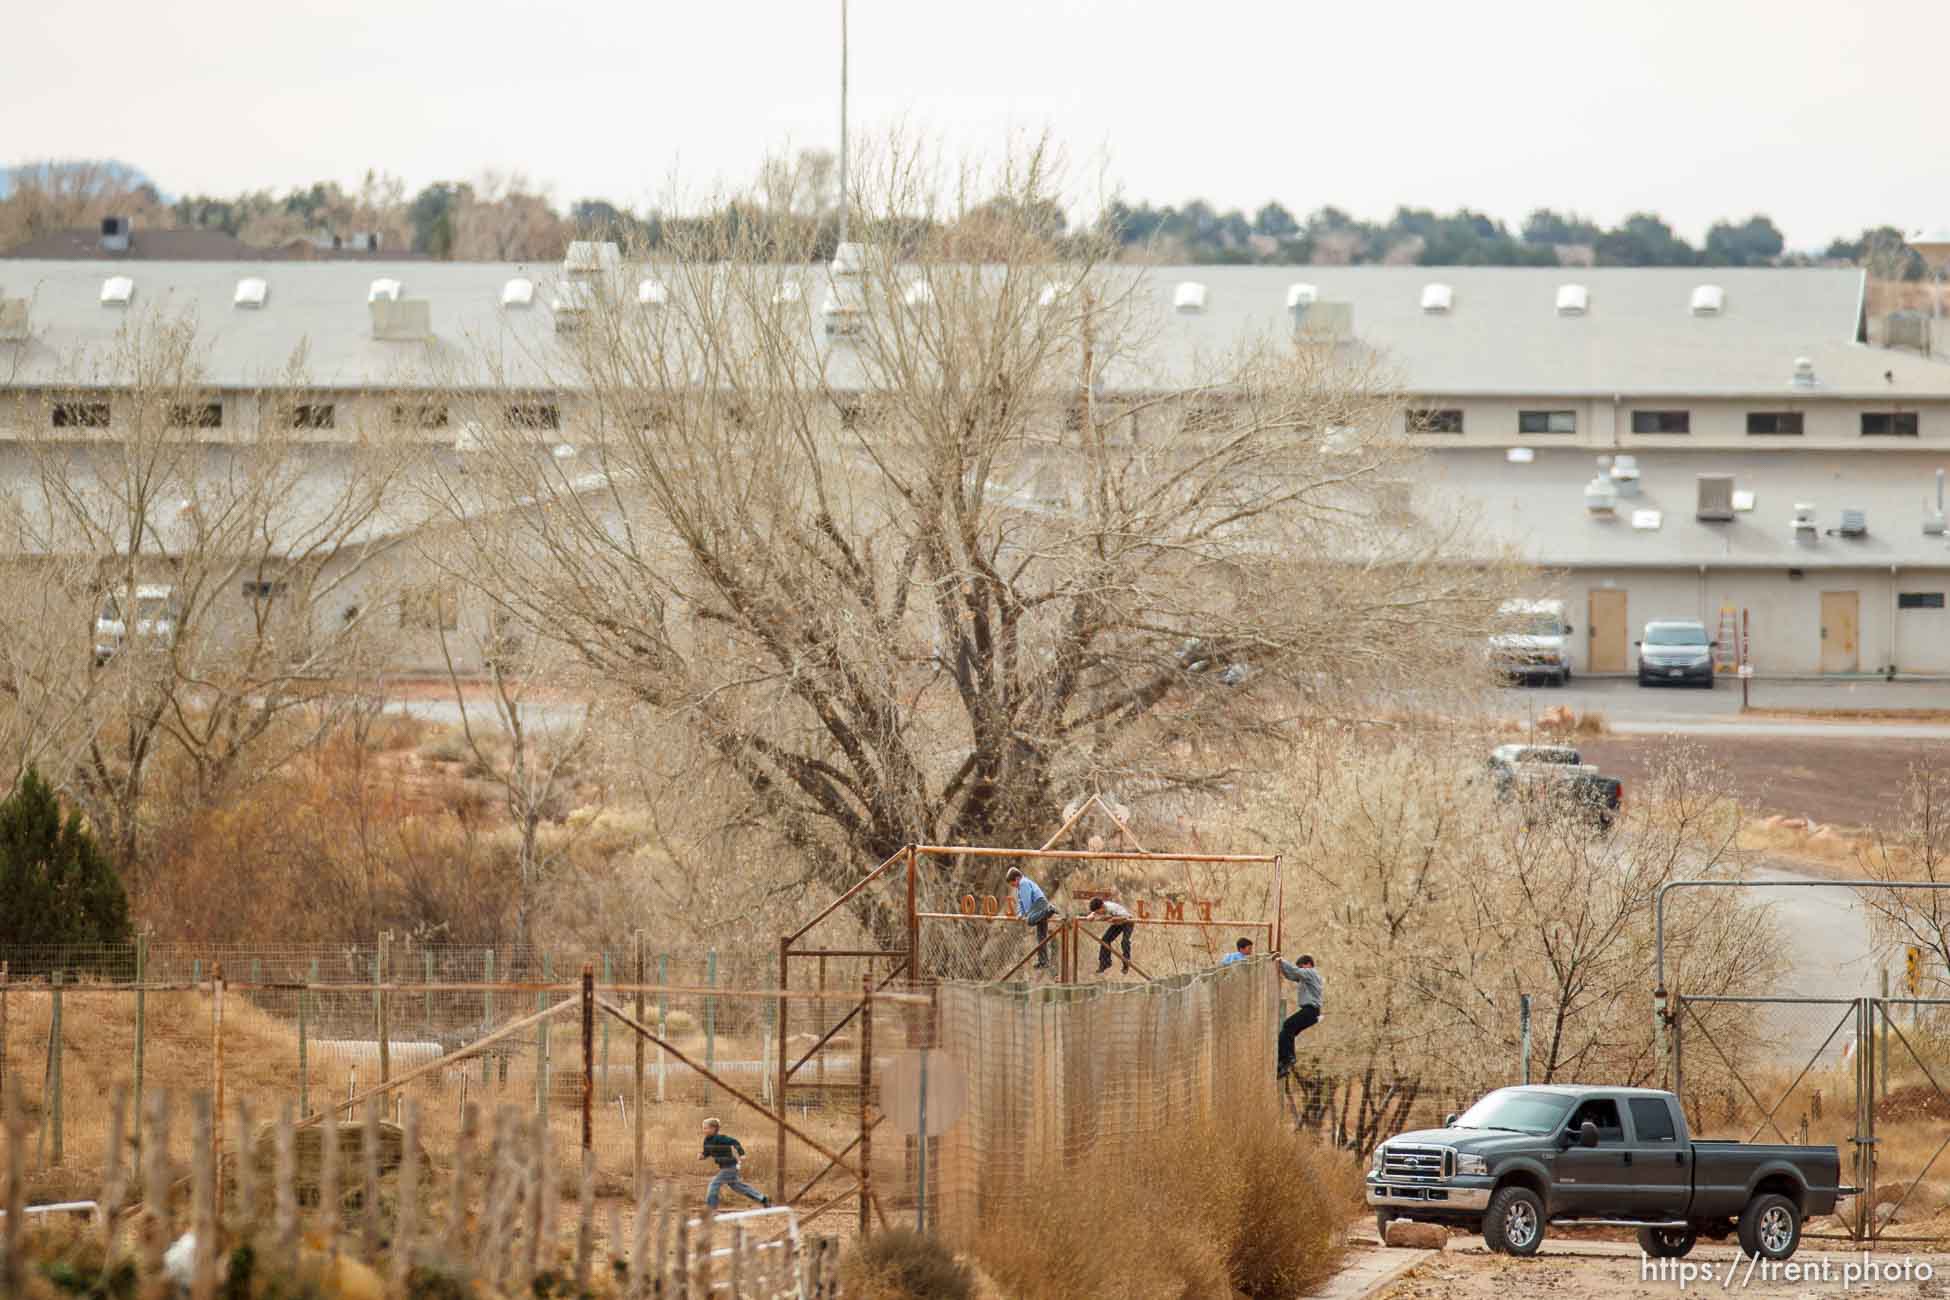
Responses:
[1916,849]
[927,560]
[212,582]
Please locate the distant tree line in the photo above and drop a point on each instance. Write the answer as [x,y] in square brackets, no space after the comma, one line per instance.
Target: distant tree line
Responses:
[793,204]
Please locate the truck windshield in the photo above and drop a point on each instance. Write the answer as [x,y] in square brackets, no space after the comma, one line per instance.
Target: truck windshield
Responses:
[1521,1110]
[1538,625]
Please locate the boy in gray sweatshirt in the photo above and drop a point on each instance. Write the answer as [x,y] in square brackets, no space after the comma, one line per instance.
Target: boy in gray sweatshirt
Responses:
[1303,1019]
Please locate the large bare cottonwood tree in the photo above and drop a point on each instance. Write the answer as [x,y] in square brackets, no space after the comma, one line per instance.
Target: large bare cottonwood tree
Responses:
[921,550]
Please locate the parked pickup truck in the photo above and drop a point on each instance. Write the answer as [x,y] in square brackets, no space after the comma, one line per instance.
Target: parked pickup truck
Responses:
[1556,773]
[1522,1158]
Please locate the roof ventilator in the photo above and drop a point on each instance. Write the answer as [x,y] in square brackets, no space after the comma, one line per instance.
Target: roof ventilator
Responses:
[117,290]
[1625,475]
[1855,523]
[1437,299]
[1647,521]
[1188,297]
[251,292]
[1708,300]
[1804,374]
[1573,300]
[652,292]
[518,292]
[1805,529]
[1301,296]
[385,289]
[1715,498]
[1601,496]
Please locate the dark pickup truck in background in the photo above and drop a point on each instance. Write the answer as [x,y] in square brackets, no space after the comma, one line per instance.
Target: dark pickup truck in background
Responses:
[1525,1157]
[1559,775]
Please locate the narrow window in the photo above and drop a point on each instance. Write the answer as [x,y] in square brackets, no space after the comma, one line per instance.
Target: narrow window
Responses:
[312,415]
[1889,424]
[1443,421]
[80,415]
[255,590]
[1662,421]
[1779,423]
[1919,600]
[1547,421]
[535,415]
[420,415]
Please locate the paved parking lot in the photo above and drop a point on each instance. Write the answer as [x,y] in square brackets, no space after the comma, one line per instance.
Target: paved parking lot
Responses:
[1623,699]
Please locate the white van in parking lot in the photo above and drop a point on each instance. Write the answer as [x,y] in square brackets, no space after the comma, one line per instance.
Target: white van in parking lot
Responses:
[1532,640]
[155,613]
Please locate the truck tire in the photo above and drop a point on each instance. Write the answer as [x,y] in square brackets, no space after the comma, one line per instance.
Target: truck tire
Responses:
[1770,1227]
[1382,1219]
[1515,1222]
[1667,1243]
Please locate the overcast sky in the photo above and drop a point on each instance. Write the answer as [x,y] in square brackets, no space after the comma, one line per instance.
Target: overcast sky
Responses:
[1828,117]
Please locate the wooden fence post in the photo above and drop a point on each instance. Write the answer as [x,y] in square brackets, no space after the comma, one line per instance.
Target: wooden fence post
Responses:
[203,1207]
[15,1198]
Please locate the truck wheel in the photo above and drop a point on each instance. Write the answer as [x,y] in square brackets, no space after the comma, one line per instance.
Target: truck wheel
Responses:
[1667,1243]
[1381,1221]
[1770,1227]
[1515,1222]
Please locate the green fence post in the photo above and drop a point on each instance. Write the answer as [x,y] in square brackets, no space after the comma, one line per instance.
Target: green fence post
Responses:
[487,1017]
[304,1056]
[607,979]
[196,970]
[54,1067]
[141,1007]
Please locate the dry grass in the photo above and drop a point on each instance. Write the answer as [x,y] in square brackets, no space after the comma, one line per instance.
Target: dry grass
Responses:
[1228,1207]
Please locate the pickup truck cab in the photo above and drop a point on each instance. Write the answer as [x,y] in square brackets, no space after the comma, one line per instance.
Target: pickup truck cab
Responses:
[1559,774]
[1532,640]
[1522,1158]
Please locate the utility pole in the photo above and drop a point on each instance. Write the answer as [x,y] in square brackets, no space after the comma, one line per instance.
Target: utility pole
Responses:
[843,190]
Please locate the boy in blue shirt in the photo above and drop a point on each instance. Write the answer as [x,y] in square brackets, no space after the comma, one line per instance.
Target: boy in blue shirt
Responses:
[1034,907]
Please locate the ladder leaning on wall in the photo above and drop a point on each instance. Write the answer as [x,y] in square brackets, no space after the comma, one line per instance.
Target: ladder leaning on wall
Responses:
[1728,653]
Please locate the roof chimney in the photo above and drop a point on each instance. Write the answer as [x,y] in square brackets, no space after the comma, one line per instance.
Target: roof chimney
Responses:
[115,234]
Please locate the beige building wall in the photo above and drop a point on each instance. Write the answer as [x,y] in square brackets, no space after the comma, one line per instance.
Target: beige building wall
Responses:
[1605,423]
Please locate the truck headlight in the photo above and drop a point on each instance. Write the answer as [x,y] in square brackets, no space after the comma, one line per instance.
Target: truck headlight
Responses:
[1374,1161]
[1469,1164]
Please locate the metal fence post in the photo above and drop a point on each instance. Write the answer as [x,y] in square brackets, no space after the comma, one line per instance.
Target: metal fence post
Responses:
[607,979]
[711,1011]
[426,968]
[866,1090]
[636,1163]
[1883,1007]
[543,1001]
[141,1031]
[487,1016]
[54,1066]
[304,1051]
[3,1046]
[380,1009]
[663,1018]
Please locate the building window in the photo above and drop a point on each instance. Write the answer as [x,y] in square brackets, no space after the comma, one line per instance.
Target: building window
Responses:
[254,590]
[1547,421]
[80,415]
[1919,600]
[1444,421]
[1889,424]
[420,415]
[311,415]
[1784,423]
[1662,421]
[196,415]
[535,415]
[429,609]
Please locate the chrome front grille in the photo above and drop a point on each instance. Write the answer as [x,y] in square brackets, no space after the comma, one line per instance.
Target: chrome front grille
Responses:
[1416,1162]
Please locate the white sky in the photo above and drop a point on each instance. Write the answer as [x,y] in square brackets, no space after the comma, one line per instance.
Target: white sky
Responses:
[1828,117]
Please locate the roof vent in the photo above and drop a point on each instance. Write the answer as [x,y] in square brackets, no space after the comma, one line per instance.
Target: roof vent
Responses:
[918,294]
[251,291]
[652,292]
[1804,374]
[1301,295]
[13,320]
[401,320]
[1804,521]
[115,234]
[1933,521]
[787,292]
[1600,496]
[1715,498]
[1520,455]
[1708,299]
[589,256]
[1625,475]
[385,289]
[1572,299]
[1437,298]
[1647,521]
[1189,296]
[518,292]
[1743,502]
[1855,523]
[1054,291]
[849,260]
[117,290]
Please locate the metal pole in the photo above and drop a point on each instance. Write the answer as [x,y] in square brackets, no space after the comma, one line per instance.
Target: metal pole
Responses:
[711,1012]
[379,1009]
[1523,1019]
[608,978]
[913,919]
[779,1031]
[487,1017]
[921,1160]
[141,1031]
[216,1086]
[588,1058]
[663,1019]
[866,1130]
[304,1065]
[54,1055]
[636,1164]
[1883,1008]
[542,1003]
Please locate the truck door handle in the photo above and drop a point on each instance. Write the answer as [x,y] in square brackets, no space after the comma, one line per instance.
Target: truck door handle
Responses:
[1679,1157]
[1628,1157]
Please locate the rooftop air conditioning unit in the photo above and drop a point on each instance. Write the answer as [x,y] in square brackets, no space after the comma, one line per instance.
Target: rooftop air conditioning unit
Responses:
[1625,475]
[841,310]
[1804,374]
[1573,300]
[1299,297]
[1933,521]
[1804,522]
[1708,300]
[1188,297]
[13,320]
[1437,298]
[401,320]
[1715,498]
[251,292]
[1855,523]
[1601,496]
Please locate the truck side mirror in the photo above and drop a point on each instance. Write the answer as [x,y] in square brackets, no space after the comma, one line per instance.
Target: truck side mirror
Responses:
[1449,1120]
[1588,1135]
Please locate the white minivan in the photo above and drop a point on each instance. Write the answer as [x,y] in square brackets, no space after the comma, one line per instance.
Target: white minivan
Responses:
[1532,641]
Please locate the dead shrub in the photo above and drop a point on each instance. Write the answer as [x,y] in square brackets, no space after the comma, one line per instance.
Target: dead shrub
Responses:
[905,1265]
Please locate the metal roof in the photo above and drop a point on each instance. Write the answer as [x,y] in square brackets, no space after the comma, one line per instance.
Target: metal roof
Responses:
[1502,333]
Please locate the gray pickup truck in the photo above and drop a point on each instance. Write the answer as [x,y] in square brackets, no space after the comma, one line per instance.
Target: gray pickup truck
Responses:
[1522,1158]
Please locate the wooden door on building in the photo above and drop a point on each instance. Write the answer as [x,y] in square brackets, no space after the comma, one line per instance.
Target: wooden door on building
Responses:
[1840,643]
[1609,633]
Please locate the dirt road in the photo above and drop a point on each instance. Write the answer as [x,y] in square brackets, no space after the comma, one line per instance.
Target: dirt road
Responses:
[1608,1269]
